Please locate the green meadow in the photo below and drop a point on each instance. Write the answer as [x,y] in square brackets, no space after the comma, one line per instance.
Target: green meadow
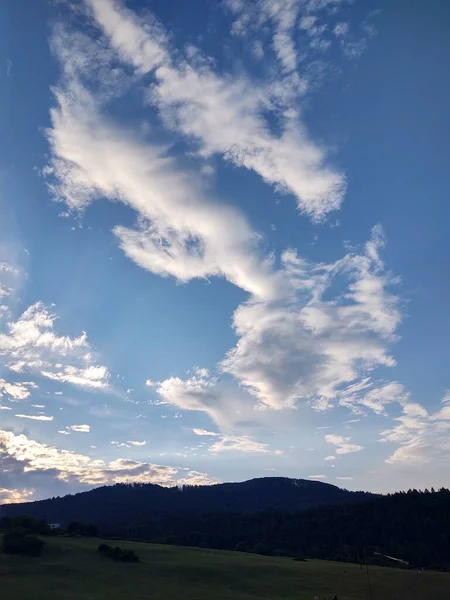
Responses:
[72,568]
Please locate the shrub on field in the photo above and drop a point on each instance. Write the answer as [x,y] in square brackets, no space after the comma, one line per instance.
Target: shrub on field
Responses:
[17,542]
[117,553]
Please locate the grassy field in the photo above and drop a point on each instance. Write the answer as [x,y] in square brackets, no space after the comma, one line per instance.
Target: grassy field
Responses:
[73,569]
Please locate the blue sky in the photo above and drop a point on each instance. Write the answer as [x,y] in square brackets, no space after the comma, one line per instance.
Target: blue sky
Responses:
[223,243]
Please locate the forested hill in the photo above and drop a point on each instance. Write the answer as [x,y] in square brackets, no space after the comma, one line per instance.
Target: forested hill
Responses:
[125,504]
[413,526]
[268,516]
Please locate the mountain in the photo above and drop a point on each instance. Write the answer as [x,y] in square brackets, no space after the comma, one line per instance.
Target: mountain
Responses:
[274,515]
[124,504]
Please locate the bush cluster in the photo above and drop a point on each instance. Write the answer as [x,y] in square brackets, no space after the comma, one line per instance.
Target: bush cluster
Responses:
[117,553]
[19,542]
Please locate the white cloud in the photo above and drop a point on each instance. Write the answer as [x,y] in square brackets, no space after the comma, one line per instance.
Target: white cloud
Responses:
[120,444]
[342,444]
[289,348]
[341,29]
[446,398]
[376,399]
[241,444]
[205,432]
[330,458]
[129,443]
[258,49]
[181,233]
[138,42]
[32,458]
[224,114]
[224,117]
[35,417]
[306,347]
[8,268]
[307,23]
[12,496]
[80,428]
[202,391]
[16,390]
[345,478]
[30,344]
[318,477]
[94,376]
[421,437]
[444,412]
[288,22]
[9,280]
[9,67]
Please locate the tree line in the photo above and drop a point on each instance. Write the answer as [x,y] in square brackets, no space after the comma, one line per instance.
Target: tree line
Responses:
[23,534]
[413,526]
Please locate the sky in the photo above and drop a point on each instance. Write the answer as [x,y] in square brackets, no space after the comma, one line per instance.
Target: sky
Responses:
[224,247]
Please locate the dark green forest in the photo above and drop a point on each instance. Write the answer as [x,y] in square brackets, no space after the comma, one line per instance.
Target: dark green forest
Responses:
[268,516]
[413,526]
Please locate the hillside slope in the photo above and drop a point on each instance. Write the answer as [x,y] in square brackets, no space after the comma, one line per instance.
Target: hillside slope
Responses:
[123,504]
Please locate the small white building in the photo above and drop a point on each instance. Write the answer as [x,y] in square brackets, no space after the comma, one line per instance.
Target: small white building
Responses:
[54,526]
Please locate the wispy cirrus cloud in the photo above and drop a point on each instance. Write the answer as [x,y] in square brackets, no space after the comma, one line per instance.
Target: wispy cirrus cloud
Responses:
[36,417]
[300,33]
[181,232]
[366,395]
[128,443]
[223,114]
[420,436]
[79,428]
[205,432]
[9,67]
[241,444]
[10,276]
[296,29]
